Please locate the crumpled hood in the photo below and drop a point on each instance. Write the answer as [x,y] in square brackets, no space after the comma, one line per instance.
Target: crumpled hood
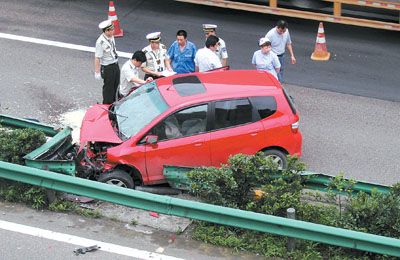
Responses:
[96,127]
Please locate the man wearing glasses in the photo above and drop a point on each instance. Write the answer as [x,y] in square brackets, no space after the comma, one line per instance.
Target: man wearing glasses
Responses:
[106,62]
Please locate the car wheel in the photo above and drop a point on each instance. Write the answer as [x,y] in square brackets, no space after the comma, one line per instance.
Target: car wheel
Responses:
[278,157]
[117,177]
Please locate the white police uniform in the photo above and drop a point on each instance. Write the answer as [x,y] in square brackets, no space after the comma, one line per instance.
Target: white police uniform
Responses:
[155,60]
[105,47]
[106,53]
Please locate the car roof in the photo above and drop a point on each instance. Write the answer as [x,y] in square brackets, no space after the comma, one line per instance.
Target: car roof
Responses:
[220,85]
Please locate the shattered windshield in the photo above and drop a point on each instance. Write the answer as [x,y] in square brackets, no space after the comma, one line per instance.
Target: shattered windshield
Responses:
[138,109]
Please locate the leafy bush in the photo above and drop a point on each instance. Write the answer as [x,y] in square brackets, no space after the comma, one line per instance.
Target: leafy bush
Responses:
[376,213]
[14,144]
[232,186]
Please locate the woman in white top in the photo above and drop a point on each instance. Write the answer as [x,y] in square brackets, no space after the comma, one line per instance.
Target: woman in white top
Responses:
[265,59]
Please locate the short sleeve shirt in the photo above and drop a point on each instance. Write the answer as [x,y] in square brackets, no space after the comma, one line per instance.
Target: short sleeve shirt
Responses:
[128,71]
[278,41]
[105,50]
[221,51]
[206,60]
[155,61]
[268,62]
[182,61]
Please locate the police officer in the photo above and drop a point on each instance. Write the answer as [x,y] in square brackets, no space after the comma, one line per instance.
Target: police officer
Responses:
[158,63]
[106,62]
[222,53]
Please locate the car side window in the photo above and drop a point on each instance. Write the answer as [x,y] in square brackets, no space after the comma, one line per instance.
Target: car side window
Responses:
[266,106]
[229,113]
[189,121]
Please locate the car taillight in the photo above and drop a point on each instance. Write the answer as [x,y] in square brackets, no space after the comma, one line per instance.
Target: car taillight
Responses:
[295,127]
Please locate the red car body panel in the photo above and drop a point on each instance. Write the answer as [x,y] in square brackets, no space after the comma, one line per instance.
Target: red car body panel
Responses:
[207,149]
[96,127]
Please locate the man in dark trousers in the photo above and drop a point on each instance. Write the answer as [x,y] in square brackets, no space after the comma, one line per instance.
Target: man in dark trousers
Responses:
[106,62]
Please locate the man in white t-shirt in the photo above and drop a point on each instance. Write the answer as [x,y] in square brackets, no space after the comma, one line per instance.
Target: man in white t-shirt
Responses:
[130,73]
[206,59]
[280,39]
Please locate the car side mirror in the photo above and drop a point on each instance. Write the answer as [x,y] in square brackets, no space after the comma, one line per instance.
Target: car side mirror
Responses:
[151,139]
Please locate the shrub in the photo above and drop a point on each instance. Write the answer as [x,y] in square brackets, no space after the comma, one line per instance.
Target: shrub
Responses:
[14,144]
[232,186]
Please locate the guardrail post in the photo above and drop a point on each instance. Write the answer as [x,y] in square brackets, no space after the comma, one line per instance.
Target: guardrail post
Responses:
[51,194]
[291,245]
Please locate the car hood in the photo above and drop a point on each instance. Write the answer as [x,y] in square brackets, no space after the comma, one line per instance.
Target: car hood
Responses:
[96,126]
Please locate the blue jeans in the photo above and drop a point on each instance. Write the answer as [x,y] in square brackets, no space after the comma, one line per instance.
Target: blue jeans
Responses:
[280,73]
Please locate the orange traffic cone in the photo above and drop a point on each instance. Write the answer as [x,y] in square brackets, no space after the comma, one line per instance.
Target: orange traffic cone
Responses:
[320,51]
[112,15]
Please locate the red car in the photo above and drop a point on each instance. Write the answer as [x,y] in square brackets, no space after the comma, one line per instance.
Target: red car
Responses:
[196,119]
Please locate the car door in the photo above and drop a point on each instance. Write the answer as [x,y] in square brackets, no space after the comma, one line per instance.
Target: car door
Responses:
[182,141]
[236,130]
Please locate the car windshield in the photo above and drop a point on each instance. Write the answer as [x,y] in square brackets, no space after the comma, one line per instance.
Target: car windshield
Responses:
[139,108]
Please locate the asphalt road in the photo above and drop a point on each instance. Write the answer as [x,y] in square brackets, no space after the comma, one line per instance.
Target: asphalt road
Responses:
[123,241]
[349,106]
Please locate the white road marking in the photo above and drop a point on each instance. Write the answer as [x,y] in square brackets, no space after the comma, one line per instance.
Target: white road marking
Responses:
[83,242]
[57,44]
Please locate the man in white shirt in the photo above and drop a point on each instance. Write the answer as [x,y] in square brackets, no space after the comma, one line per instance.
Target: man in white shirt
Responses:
[206,59]
[106,62]
[158,62]
[222,53]
[130,73]
[280,38]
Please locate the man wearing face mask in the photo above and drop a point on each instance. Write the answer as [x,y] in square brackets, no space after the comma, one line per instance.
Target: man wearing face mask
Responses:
[106,62]
[280,39]
[157,64]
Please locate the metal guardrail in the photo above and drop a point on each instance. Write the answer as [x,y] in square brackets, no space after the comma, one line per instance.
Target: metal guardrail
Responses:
[176,176]
[53,155]
[202,211]
[15,122]
[335,18]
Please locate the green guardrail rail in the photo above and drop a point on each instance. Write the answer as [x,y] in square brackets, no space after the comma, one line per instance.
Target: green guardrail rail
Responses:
[53,154]
[202,211]
[176,177]
[15,122]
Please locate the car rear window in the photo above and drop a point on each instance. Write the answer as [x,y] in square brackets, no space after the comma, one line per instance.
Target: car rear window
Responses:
[289,100]
[188,85]
[266,106]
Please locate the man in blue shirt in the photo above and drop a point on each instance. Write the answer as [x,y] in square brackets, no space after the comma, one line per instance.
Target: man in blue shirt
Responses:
[182,53]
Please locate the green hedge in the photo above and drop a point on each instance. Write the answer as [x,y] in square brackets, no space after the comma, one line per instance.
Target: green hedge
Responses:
[232,186]
[14,145]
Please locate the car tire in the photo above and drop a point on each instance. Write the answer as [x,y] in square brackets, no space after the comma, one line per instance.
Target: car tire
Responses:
[277,156]
[117,177]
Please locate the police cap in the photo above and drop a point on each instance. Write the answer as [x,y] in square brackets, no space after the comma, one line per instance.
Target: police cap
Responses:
[106,25]
[154,37]
[209,27]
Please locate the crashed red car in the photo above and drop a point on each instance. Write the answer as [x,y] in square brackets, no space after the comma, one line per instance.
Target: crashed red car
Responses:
[196,119]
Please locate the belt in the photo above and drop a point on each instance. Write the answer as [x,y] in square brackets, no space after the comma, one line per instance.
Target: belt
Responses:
[115,63]
[280,55]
